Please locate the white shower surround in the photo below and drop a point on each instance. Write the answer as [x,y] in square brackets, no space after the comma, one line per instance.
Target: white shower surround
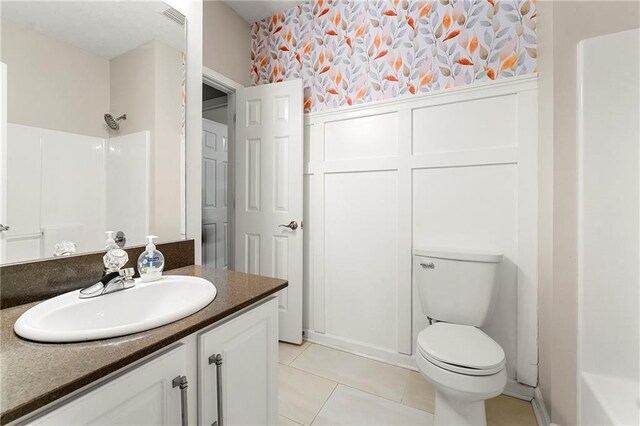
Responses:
[367,168]
[609,229]
[65,186]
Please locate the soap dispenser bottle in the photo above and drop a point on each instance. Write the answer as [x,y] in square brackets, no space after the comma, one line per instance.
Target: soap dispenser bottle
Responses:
[116,257]
[150,262]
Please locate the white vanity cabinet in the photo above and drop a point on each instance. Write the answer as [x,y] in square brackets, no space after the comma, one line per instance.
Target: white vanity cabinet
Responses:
[237,370]
[149,392]
[142,396]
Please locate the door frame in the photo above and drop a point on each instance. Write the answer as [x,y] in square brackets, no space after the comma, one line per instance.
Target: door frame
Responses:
[3,158]
[228,86]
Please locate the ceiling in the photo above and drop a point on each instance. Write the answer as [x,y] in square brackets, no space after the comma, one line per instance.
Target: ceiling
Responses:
[105,28]
[256,10]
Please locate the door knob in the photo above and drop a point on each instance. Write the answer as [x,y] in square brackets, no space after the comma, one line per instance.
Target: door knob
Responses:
[4,228]
[293,225]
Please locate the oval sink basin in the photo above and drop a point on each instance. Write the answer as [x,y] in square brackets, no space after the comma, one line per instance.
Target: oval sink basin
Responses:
[67,318]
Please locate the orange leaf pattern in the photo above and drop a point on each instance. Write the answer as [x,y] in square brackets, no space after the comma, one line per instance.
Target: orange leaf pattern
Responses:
[351,51]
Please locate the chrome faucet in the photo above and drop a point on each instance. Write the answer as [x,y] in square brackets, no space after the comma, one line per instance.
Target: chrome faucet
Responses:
[114,278]
[110,282]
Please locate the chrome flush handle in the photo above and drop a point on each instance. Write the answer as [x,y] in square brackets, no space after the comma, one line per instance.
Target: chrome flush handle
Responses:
[429,265]
[293,225]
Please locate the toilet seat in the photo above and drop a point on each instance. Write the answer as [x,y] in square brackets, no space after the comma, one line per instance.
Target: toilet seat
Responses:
[461,349]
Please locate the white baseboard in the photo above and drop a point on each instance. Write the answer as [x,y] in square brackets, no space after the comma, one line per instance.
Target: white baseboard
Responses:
[372,352]
[518,390]
[540,410]
[513,388]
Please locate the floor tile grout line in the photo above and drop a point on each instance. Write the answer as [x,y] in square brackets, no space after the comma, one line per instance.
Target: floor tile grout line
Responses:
[289,418]
[390,400]
[301,352]
[315,375]
[295,357]
[340,383]
[325,402]
[337,382]
[346,384]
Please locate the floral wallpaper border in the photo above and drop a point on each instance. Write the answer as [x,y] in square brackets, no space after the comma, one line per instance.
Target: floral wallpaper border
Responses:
[356,51]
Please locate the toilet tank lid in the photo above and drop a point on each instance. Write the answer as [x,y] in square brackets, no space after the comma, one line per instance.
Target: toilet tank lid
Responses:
[459,254]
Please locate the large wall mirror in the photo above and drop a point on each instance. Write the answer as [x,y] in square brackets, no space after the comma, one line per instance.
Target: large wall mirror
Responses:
[95,125]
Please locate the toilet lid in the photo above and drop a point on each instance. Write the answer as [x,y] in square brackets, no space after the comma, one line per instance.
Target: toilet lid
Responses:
[461,348]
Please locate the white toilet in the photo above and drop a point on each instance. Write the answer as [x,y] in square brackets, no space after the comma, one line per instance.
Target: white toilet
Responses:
[458,290]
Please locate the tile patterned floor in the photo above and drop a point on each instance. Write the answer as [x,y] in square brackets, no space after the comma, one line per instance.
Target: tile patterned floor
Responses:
[323,386]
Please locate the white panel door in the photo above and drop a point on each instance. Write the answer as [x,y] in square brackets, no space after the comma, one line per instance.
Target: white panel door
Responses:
[144,396]
[242,357]
[215,155]
[269,193]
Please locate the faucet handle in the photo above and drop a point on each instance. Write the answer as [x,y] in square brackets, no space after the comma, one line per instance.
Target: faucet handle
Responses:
[115,259]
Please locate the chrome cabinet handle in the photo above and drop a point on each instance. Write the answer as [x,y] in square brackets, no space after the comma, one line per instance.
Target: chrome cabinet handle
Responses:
[4,228]
[293,225]
[217,360]
[181,381]
[429,265]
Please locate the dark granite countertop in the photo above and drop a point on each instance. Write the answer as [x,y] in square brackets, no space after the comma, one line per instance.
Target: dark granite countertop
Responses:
[35,374]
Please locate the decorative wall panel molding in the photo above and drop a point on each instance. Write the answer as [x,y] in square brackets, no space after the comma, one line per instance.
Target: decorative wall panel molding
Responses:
[351,52]
[404,180]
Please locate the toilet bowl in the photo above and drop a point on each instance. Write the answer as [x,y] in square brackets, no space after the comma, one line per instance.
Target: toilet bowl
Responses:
[466,368]
[458,290]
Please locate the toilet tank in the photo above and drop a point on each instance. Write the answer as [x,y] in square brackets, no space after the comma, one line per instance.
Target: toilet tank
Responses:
[457,286]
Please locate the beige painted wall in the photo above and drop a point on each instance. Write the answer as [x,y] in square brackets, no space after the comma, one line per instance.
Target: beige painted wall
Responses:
[132,89]
[545,200]
[54,85]
[560,30]
[168,122]
[226,41]
[146,85]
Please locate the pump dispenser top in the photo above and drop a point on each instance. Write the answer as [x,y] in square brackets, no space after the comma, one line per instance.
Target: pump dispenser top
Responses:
[150,246]
[151,261]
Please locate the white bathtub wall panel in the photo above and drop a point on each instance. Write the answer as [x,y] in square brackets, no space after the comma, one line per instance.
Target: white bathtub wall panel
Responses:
[365,137]
[23,249]
[466,126]
[472,208]
[67,199]
[24,168]
[609,228]
[127,185]
[361,230]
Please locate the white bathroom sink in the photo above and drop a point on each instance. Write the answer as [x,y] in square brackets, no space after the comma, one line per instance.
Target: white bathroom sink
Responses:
[67,318]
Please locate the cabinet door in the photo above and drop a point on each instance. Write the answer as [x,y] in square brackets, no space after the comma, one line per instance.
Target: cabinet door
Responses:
[143,396]
[248,347]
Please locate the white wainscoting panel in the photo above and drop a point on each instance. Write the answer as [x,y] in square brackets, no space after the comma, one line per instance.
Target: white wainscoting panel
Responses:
[452,168]
[465,126]
[365,137]
[361,265]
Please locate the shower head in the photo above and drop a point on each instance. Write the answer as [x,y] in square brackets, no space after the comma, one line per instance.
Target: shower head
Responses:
[113,122]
